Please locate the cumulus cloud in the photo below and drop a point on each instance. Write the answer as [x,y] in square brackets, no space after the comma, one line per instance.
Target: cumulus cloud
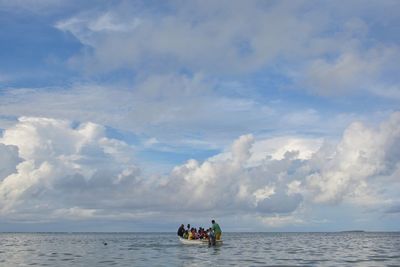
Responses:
[55,169]
[60,161]
[360,165]
[277,147]
[9,160]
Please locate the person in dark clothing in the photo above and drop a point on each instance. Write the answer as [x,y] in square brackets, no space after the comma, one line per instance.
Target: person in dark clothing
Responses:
[211,237]
[181,230]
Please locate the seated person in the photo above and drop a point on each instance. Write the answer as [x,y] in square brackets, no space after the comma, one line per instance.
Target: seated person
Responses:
[185,234]
[192,234]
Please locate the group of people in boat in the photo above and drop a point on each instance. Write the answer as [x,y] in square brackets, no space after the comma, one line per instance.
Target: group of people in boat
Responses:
[212,234]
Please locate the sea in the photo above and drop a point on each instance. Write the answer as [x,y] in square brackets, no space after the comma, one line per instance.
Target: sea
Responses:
[164,249]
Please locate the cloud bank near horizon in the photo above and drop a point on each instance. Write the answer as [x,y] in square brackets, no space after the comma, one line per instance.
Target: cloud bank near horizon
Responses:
[54,170]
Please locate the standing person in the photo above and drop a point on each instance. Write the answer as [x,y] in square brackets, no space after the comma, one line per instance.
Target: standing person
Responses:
[211,237]
[217,230]
[181,230]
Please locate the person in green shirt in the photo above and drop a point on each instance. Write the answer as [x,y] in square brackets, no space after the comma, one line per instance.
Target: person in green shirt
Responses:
[217,230]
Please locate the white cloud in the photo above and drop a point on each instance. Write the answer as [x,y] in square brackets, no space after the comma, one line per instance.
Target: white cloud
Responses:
[179,110]
[352,71]
[327,53]
[277,147]
[58,158]
[205,36]
[9,160]
[57,170]
[108,22]
[151,142]
[362,155]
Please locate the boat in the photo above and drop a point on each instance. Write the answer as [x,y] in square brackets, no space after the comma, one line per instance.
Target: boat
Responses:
[197,241]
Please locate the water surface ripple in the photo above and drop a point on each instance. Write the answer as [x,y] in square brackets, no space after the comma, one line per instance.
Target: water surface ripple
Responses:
[163,249]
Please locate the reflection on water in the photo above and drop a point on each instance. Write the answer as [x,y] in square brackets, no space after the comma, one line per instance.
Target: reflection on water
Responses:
[239,249]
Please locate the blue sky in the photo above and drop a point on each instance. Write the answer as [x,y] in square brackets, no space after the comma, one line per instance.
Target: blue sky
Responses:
[137,115]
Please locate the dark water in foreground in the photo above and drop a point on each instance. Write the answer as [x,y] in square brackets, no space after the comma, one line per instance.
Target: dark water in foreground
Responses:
[163,249]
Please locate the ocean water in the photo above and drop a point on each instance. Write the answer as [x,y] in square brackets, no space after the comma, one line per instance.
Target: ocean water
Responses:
[164,249]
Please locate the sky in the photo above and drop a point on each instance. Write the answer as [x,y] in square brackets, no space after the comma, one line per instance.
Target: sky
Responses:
[142,115]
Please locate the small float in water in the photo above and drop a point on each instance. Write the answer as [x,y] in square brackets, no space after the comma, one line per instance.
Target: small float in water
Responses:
[197,241]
